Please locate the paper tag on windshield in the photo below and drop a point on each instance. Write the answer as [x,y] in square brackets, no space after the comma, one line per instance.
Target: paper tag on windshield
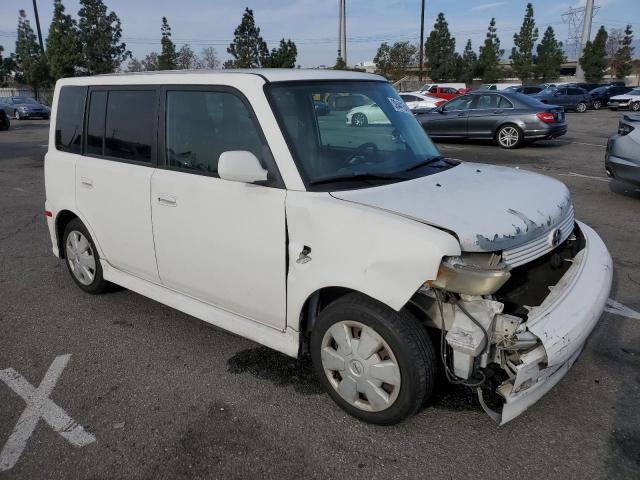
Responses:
[399,105]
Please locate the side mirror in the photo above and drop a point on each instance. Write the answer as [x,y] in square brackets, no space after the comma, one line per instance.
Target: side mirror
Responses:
[241,166]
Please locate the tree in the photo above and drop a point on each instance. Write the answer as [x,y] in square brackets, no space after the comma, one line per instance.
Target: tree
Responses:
[248,48]
[467,64]
[282,57]
[490,55]
[186,58]
[168,57]
[150,62]
[593,60]
[621,65]
[440,51]
[550,56]
[522,52]
[393,61]
[100,34]
[134,65]
[340,64]
[30,62]
[208,59]
[63,43]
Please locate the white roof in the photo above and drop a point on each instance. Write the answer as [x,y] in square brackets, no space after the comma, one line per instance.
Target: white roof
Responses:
[188,76]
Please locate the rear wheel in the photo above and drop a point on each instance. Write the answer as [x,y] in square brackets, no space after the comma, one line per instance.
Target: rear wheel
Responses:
[82,258]
[377,364]
[597,104]
[581,107]
[509,136]
[359,120]
[635,106]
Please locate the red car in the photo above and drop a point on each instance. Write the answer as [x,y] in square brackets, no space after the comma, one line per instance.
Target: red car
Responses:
[446,93]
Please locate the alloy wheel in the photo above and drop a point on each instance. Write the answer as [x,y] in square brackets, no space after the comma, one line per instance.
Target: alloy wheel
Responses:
[80,257]
[360,366]
[635,106]
[508,136]
[597,104]
[581,107]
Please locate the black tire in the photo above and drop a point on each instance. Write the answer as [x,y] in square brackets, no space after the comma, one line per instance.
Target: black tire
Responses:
[512,129]
[635,107]
[409,342]
[597,104]
[5,123]
[581,107]
[99,284]
[17,115]
[359,119]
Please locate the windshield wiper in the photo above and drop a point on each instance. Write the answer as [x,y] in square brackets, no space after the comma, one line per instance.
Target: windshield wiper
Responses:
[358,176]
[428,161]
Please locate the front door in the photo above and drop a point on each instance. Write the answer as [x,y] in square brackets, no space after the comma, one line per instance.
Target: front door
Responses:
[450,120]
[218,241]
[113,176]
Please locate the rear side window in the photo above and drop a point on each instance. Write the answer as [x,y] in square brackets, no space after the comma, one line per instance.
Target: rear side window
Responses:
[201,125]
[504,103]
[69,119]
[129,129]
[95,122]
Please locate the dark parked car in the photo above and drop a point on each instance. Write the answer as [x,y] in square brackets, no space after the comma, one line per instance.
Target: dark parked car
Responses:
[5,123]
[622,159]
[586,86]
[508,118]
[22,108]
[601,95]
[321,108]
[571,98]
[526,89]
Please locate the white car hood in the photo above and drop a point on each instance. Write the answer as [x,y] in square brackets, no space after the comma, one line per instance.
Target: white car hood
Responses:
[489,208]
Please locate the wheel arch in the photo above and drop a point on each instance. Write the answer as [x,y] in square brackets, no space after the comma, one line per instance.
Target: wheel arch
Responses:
[62,219]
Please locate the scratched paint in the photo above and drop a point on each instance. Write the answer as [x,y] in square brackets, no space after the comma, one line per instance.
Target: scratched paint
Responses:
[39,406]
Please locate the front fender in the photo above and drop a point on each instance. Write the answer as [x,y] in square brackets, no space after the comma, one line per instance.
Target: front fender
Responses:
[378,253]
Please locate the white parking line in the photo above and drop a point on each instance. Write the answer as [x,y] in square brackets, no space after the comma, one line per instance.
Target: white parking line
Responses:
[39,405]
[619,309]
[580,143]
[572,174]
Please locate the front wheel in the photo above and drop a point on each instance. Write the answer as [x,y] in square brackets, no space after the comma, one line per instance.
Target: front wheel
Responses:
[376,364]
[359,120]
[82,258]
[581,107]
[635,106]
[17,115]
[597,104]
[509,136]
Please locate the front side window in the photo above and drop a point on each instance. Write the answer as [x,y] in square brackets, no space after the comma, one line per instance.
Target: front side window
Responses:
[377,142]
[201,125]
[130,126]
[460,103]
[69,118]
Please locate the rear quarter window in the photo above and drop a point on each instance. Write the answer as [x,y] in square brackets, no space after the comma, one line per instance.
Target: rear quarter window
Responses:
[69,119]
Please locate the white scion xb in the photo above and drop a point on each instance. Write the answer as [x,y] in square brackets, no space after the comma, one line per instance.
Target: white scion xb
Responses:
[243,198]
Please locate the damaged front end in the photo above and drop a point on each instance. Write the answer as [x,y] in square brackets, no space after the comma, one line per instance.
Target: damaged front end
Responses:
[516,330]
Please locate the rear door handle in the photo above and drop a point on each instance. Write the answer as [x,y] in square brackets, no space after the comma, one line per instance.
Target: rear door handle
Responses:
[87,182]
[167,200]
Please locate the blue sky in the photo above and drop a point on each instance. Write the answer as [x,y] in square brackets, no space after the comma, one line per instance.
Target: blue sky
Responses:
[312,24]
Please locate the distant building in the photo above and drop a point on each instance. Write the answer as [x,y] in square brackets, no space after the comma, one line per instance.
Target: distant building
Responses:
[368,66]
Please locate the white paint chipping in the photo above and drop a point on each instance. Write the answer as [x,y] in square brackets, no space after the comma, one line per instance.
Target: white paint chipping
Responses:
[622,310]
[39,405]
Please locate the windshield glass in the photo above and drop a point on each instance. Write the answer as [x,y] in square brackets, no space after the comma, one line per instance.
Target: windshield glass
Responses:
[24,100]
[548,91]
[366,135]
[635,91]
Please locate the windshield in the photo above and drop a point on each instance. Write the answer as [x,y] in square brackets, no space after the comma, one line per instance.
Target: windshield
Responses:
[24,100]
[548,91]
[366,135]
[635,91]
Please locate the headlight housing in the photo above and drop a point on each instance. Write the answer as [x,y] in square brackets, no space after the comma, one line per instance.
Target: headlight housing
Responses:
[472,274]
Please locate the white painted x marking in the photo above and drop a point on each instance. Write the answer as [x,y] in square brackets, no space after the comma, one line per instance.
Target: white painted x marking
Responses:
[39,405]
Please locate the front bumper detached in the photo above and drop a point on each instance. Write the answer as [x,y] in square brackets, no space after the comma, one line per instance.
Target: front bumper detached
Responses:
[563,322]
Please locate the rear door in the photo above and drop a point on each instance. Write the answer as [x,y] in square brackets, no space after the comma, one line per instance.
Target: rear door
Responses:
[487,112]
[113,176]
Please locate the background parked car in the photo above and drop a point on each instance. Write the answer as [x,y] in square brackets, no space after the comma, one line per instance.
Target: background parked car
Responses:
[345,102]
[622,159]
[630,100]
[508,118]
[526,89]
[419,101]
[24,107]
[600,96]
[586,86]
[571,98]
[457,86]
[367,115]
[5,123]
[321,108]
[497,86]
[446,93]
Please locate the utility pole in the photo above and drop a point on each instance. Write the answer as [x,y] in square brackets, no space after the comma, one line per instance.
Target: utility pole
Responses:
[340,29]
[586,35]
[35,10]
[421,59]
[344,31]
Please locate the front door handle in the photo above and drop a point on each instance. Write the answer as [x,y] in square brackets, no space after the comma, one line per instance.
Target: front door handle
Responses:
[167,200]
[462,114]
[87,182]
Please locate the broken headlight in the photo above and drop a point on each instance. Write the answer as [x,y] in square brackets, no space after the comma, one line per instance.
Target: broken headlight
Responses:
[471,274]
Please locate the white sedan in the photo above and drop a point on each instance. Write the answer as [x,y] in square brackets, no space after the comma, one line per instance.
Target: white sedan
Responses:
[365,115]
[630,100]
[418,100]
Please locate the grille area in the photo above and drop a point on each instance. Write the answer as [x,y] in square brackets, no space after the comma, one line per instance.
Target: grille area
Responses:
[536,248]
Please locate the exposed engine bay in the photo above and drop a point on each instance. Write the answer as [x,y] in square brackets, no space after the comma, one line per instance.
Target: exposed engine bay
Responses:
[485,339]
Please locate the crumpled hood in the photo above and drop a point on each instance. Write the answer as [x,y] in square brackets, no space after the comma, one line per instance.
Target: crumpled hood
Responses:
[489,208]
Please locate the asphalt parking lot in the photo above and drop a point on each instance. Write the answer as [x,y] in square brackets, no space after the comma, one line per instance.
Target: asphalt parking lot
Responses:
[164,395]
